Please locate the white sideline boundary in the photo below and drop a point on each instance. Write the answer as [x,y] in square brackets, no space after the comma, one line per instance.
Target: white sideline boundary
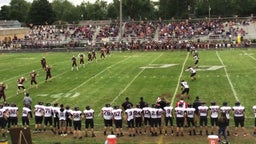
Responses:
[227,75]
[245,53]
[129,84]
[92,78]
[179,78]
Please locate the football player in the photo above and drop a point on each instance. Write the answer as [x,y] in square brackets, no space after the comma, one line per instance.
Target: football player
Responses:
[33,76]
[225,108]
[107,115]
[168,112]
[13,110]
[77,117]
[193,73]
[214,114]
[254,111]
[190,114]
[39,113]
[203,114]
[81,59]
[48,116]
[180,119]
[43,63]
[129,113]
[89,122]
[25,116]
[3,117]
[48,73]
[74,64]
[3,87]
[118,116]
[185,89]
[21,81]
[239,118]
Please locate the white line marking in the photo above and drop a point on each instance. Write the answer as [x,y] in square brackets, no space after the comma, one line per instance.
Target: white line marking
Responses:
[178,83]
[227,75]
[129,84]
[92,78]
[245,53]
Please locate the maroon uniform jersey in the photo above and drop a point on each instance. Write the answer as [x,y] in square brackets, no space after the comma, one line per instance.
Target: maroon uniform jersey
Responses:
[43,63]
[74,61]
[21,81]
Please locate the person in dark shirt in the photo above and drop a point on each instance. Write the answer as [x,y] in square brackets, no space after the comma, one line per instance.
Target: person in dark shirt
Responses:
[142,103]
[196,104]
[222,123]
[126,103]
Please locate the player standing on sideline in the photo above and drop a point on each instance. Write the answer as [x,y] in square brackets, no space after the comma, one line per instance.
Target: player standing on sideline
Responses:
[3,117]
[62,114]
[48,73]
[56,124]
[142,103]
[43,62]
[94,57]
[126,103]
[239,117]
[74,64]
[196,104]
[69,120]
[191,119]
[107,115]
[254,110]
[185,89]
[146,117]
[20,85]
[117,116]
[159,114]
[226,109]
[3,87]
[203,113]
[168,111]
[13,115]
[180,118]
[196,60]
[138,119]
[129,113]
[81,59]
[89,122]
[214,111]
[193,73]
[77,116]
[48,116]
[26,115]
[222,123]
[39,114]
[33,76]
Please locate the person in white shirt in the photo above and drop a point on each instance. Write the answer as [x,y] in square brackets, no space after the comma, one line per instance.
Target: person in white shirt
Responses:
[138,118]
[25,116]
[239,118]
[190,114]
[214,114]
[62,114]
[159,114]
[39,113]
[129,112]
[254,110]
[48,116]
[203,114]
[168,112]
[196,60]
[118,120]
[184,88]
[146,117]
[225,108]
[106,113]
[3,117]
[77,117]
[89,120]
[13,110]
[192,73]
[180,119]
[56,124]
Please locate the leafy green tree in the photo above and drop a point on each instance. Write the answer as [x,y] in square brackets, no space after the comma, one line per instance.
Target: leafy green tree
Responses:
[5,13]
[41,12]
[19,10]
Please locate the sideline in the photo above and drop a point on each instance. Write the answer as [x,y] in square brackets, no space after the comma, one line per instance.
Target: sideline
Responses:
[92,78]
[245,53]
[129,84]
[227,75]
[178,83]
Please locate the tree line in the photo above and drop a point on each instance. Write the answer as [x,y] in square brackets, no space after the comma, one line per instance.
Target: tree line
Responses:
[63,11]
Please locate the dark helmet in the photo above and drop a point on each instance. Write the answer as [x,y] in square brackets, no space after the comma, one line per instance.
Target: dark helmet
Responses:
[27,94]
[107,105]
[225,103]
[88,107]
[128,106]
[1,105]
[6,104]
[180,104]
[67,107]
[153,105]
[48,104]
[13,105]
[116,107]
[76,108]
[189,105]
[138,105]
[61,105]
[55,104]
[40,103]
[237,103]
[213,103]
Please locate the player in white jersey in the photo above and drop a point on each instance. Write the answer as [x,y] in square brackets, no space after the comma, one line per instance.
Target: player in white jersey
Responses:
[168,113]
[146,117]
[196,60]
[138,118]
[62,114]
[56,123]
[77,123]
[254,110]
[25,117]
[106,113]
[159,114]
[39,113]
[239,117]
[184,88]
[89,120]
[3,117]
[153,123]
[203,114]
[118,120]
[13,110]
[48,116]
[69,123]
[192,73]
[190,114]
[180,119]
[225,108]
[129,113]
[214,114]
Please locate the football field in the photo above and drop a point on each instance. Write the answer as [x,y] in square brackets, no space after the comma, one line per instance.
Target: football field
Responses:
[223,75]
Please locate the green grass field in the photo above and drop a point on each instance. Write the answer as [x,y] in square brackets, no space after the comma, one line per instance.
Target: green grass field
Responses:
[226,75]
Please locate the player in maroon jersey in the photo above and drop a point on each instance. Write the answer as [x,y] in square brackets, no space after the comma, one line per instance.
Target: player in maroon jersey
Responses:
[89,57]
[33,76]
[94,56]
[81,59]
[74,64]
[3,87]
[20,85]
[48,73]
[43,62]
[102,53]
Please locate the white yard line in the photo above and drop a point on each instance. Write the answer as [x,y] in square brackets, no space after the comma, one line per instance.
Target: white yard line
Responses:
[92,78]
[227,75]
[129,84]
[179,79]
[245,53]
